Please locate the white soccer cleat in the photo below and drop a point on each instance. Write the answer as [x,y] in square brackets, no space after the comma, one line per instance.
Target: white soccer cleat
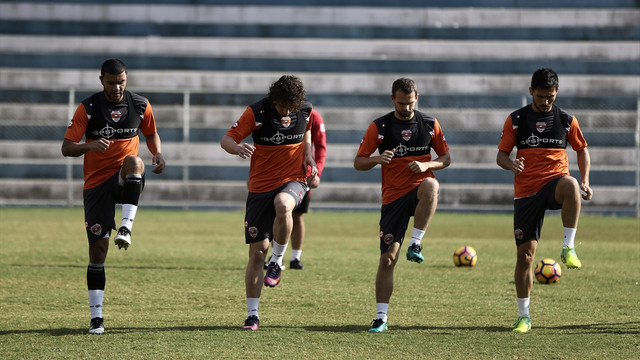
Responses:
[123,238]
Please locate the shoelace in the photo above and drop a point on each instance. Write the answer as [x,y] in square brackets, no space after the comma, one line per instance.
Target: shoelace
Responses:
[273,271]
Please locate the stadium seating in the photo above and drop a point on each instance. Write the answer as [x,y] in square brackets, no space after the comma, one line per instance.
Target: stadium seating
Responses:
[201,65]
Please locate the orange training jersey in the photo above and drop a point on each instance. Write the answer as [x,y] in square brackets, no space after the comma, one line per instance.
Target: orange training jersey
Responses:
[276,164]
[397,178]
[98,167]
[541,163]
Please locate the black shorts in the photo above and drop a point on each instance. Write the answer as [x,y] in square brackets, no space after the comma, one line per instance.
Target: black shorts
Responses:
[394,219]
[528,212]
[260,211]
[303,208]
[100,207]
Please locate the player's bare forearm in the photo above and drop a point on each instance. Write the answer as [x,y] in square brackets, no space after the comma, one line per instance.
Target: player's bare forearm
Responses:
[504,161]
[243,150]
[74,149]
[584,165]
[363,163]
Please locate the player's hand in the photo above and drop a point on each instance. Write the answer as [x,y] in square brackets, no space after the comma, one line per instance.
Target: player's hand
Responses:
[386,156]
[418,167]
[100,145]
[245,150]
[518,165]
[313,182]
[158,162]
[586,191]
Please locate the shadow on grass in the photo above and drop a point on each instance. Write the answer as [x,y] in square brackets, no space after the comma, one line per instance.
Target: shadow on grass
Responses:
[139,267]
[625,328]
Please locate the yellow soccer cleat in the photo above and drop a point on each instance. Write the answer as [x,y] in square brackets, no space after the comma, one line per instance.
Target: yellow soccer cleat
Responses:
[570,258]
[523,324]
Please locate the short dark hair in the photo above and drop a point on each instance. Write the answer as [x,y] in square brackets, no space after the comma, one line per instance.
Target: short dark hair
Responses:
[544,78]
[288,91]
[405,85]
[113,66]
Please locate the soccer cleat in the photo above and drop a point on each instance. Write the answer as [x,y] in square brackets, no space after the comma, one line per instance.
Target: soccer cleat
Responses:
[282,268]
[378,325]
[296,264]
[97,326]
[272,277]
[414,253]
[123,238]
[523,324]
[570,258]
[252,323]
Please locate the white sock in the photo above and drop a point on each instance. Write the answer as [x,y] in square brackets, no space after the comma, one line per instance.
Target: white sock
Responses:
[382,311]
[252,306]
[296,254]
[128,215]
[277,252]
[95,303]
[569,237]
[523,306]
[416,237]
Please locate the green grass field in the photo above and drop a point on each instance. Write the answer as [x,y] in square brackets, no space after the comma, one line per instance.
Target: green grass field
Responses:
[178,292]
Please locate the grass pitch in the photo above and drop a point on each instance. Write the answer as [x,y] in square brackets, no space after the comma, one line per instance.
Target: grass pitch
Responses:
[178,292]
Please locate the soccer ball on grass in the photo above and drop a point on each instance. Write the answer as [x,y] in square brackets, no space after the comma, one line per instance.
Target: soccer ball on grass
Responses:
[465,256]
[548,271]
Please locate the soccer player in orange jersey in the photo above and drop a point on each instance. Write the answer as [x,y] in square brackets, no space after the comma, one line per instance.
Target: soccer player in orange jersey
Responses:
[110,121]
[281,156]
[540,132]
[404,139]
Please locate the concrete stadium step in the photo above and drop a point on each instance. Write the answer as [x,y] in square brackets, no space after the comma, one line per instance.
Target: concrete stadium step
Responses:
[256,83]
[333,49]
[574,14]
[222,194]
[338,155]
[335,118]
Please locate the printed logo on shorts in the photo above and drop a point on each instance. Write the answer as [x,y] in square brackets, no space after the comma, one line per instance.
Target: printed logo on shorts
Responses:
[253,231]
[96,229]
[406,135]
[540,126]
[519,234]
[388,239]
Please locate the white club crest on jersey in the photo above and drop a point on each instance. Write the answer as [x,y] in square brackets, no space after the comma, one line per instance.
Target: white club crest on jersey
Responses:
[116,116]
[406,134]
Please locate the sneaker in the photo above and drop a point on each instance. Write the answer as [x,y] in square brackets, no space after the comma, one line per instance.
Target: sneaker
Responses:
[414,253]
[378,325]
[272,277]
[523,324]
[296,264]
[570,258]
[123,238]
[252,323]
[97,326]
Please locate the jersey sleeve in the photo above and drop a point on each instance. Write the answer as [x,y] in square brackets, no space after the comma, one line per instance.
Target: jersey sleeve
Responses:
[508,137]
[318,140]
[438,141]
[148,124]
[575,136]
[78,124]
[370,141]
[243,127]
